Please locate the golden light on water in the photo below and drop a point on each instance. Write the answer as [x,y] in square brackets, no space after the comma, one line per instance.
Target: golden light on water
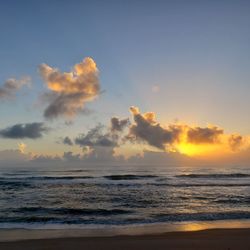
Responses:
[212,225]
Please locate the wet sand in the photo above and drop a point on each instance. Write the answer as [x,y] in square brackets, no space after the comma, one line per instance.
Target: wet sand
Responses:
[216,239]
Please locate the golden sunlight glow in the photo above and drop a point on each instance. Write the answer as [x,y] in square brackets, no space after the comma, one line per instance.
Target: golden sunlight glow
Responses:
[197,149]
[22,147]
[194,149]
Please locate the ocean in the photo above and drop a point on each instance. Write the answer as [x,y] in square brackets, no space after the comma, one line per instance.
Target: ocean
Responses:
[97,196]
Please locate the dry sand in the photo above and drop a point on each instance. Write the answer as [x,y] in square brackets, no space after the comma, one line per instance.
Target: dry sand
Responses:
[212,239]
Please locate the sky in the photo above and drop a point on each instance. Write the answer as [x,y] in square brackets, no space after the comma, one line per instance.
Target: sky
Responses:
[186,62]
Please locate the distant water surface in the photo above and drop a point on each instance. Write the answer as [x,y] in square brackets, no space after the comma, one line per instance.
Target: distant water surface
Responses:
[122,195]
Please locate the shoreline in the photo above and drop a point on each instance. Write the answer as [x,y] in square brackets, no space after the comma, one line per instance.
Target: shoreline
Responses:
[233,239]
[48,232]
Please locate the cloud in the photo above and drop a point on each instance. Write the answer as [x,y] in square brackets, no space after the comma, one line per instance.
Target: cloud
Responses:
[181,137]
[69,91]
[99,143]
[13,158]
[70,156]
[96,137]
[67,141]
[12,85]
[22,147]
[146,129]
[155,88]
[236,142]
[21,131]
[199,135]
[45,159]
[118,124]
[101,154]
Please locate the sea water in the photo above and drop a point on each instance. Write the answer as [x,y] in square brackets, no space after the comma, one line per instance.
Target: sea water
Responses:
[94,196]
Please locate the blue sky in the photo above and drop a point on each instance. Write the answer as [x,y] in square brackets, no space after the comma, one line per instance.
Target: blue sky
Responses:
[196,53]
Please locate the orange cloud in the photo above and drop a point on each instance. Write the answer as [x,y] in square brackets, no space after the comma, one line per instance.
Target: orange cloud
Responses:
[189,140]
[22,147]
[69,91]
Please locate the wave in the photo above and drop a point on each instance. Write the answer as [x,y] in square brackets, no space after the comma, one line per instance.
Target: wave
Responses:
[109,177]
[32,219]
[217,176]
[25,172]
[58,177]
[154,218]
[19,184]
[5,179]
[180,185]
[202,216]
[202,184]
[128,177]
[54,220]
[72,211]
[8,185]
[242,200]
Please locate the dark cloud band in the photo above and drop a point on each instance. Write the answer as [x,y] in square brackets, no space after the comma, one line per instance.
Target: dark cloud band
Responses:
[22,131]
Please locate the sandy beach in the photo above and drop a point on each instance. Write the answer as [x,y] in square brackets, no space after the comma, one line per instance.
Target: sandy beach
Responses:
[221,239]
